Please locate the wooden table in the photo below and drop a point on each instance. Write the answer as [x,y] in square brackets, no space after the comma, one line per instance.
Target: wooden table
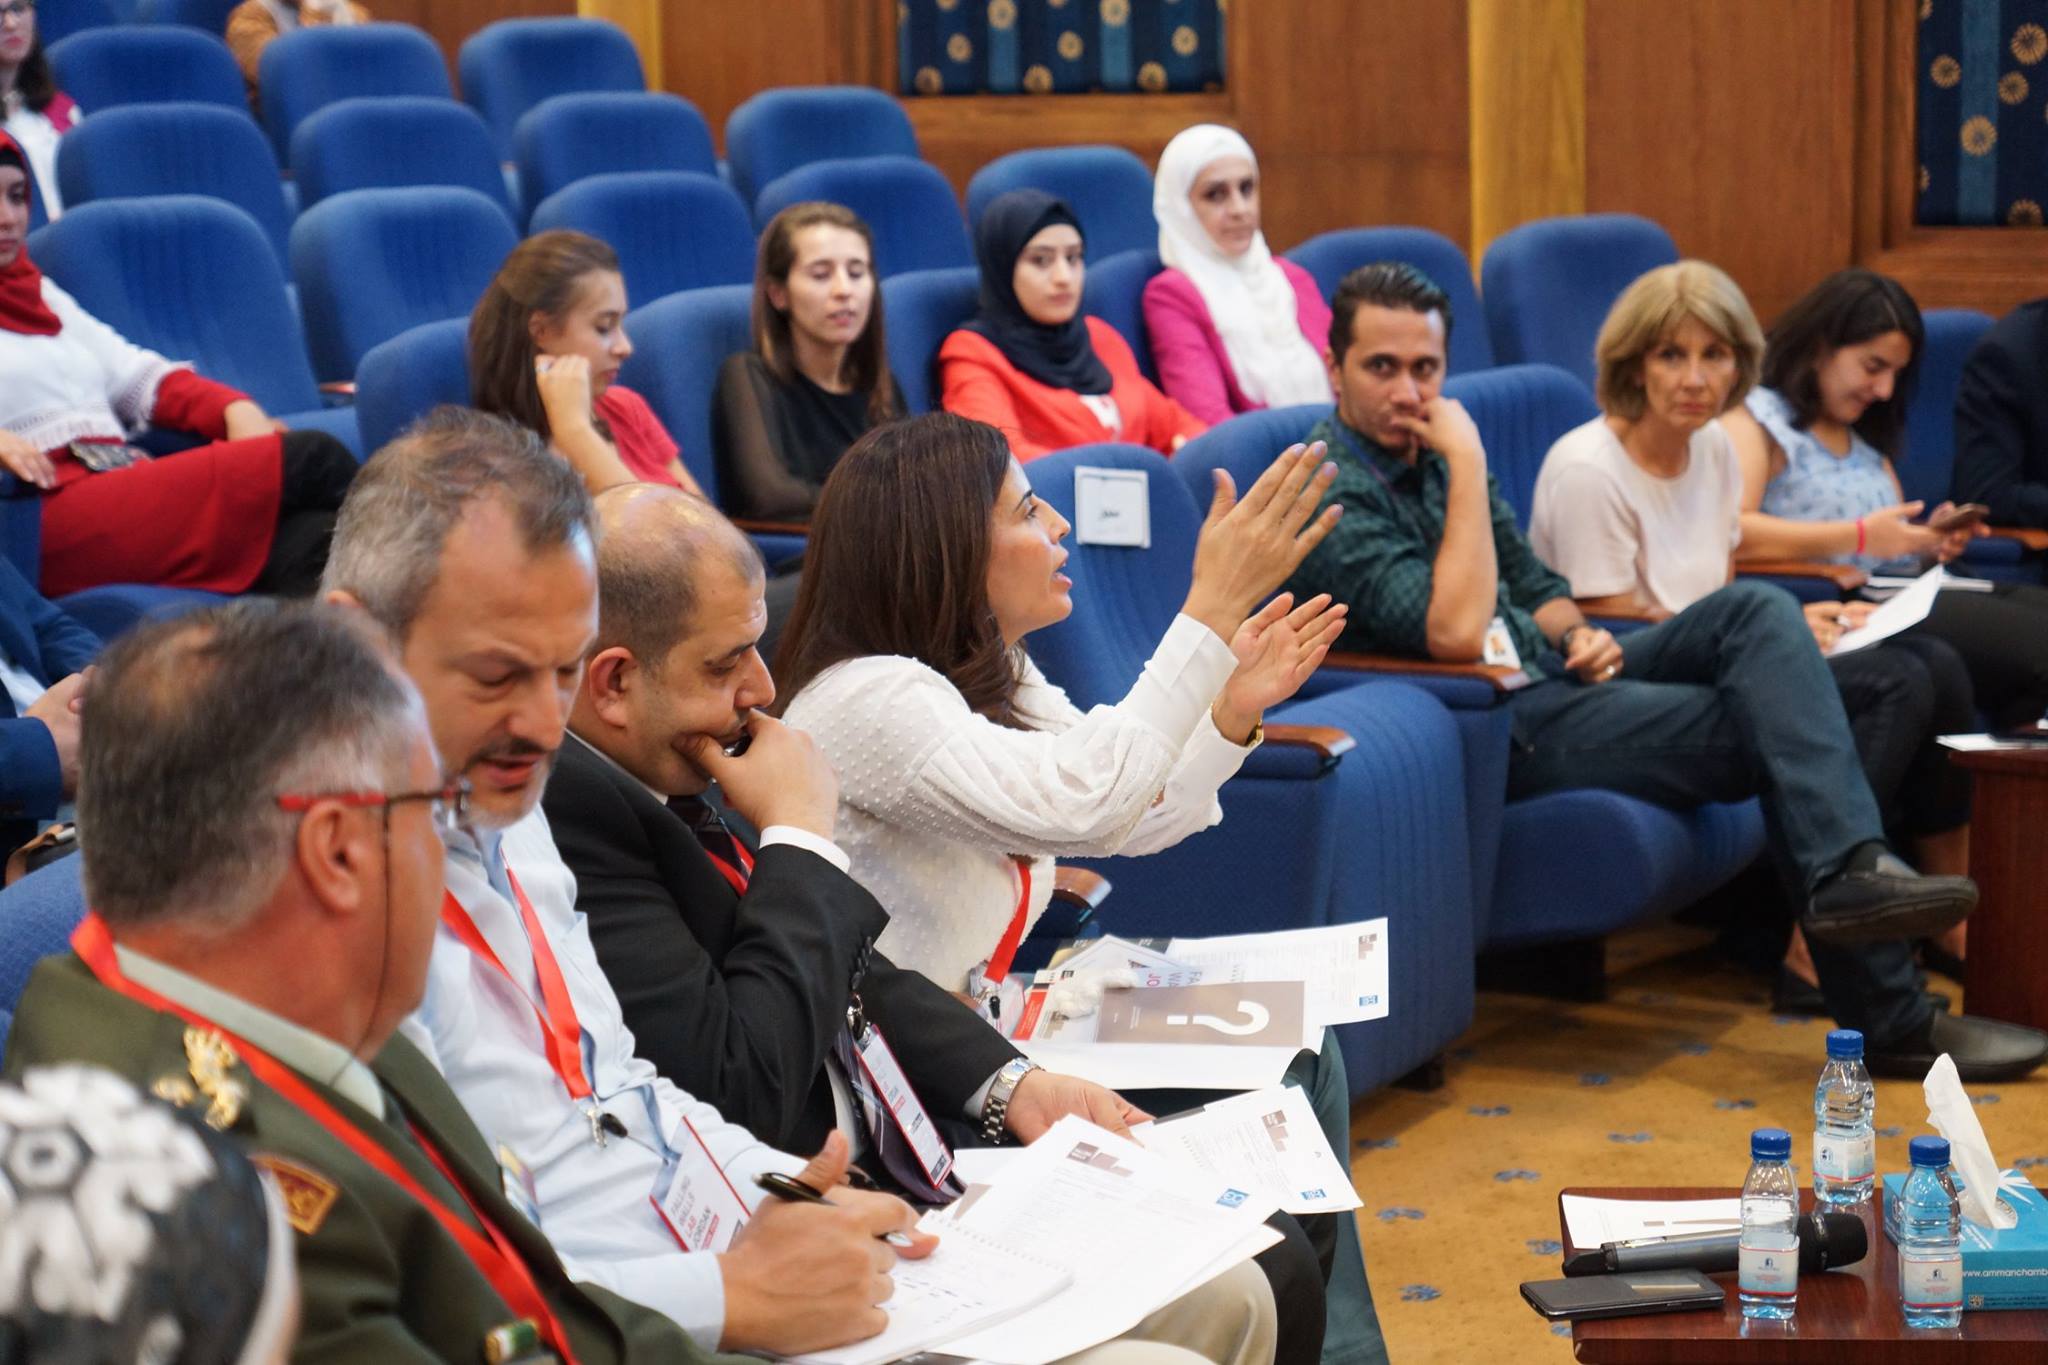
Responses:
[2007,973]
[1847,1316]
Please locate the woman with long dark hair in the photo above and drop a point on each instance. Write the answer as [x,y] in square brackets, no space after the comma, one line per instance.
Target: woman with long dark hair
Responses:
[33,111]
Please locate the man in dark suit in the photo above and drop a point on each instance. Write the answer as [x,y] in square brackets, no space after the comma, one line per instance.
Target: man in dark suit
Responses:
[266,869]
[2002,420]
[43,654]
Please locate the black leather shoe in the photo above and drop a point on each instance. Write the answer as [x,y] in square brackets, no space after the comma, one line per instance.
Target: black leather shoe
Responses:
[1889,900]
[1983,1049]
[1793,996]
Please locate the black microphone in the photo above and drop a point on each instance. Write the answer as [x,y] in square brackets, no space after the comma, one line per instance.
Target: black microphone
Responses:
[1826,1240]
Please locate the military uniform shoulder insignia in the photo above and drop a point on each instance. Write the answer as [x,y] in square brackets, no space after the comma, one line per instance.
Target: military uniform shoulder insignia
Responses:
[308,1196]
[211,1059]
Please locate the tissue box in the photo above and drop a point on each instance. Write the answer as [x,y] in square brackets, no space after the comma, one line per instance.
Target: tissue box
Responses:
[2002,1268]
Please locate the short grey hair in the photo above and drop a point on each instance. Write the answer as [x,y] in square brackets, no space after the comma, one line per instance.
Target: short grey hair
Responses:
[199,723]
[650,566]
[406,500]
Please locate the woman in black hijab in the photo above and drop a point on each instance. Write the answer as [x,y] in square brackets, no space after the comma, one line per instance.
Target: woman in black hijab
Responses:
[1029,364]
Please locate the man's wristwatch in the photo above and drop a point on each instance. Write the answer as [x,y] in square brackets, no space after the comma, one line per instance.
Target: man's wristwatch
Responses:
[1564,641]
[996,1107]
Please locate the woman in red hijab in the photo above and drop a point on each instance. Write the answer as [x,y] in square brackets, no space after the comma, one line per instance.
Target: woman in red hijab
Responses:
[252,510]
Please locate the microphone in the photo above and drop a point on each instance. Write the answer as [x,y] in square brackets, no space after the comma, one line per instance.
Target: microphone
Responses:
[1826,1240]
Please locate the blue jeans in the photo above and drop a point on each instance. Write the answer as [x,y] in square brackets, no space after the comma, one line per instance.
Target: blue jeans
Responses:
[1726,700]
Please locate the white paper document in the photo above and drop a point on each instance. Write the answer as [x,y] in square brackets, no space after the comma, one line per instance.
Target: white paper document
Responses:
[1344,966]
[1592,1222]
[1111,507]
[1134,1229]
[1267,1142]
[1980,743]
[1908,608]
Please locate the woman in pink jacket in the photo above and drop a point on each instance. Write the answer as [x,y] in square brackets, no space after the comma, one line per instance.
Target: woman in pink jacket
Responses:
[1233,327]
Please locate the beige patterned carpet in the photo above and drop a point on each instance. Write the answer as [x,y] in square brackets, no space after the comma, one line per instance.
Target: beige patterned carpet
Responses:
[1659,1085]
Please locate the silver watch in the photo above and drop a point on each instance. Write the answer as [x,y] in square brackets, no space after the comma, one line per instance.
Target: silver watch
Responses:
[996,1107]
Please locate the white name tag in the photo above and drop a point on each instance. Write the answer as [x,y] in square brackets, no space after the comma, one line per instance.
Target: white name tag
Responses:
[696,1197]
[1500,645]
[904,1107]
[1111,507]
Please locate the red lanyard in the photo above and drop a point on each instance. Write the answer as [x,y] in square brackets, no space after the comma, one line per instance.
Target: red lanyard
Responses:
[557,1011]
[492,1252]
[1006,950]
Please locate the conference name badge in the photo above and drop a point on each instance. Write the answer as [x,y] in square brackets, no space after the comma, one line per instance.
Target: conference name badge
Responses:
[1500,645]
[695,1197]
[904,1106]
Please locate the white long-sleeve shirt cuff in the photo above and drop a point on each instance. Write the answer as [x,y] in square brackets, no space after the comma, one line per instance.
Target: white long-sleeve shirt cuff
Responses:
[1181,679]
[1211,757]
[804,839]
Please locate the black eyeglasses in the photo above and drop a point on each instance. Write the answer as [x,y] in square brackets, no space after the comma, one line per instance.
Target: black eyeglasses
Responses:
[450,804]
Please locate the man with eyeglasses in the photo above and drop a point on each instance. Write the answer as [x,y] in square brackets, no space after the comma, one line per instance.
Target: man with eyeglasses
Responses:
[265,870]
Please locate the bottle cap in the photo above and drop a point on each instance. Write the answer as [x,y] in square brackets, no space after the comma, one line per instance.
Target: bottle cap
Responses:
[1845,1043]
[1928,1151]
[1770,1144]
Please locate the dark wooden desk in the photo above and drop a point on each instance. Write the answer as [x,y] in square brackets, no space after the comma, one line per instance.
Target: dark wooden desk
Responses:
[1845,1317]
[2007,974]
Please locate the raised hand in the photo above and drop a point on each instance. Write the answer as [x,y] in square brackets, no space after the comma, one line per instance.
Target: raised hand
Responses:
[1277,649]
[1248,546]
[564,383]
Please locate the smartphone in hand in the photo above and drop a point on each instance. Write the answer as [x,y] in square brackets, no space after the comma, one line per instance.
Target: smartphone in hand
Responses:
[1958,517]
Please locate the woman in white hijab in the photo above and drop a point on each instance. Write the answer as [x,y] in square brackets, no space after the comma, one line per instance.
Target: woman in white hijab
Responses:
[1233,327]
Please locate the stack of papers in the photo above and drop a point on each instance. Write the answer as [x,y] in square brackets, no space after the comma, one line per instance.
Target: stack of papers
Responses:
[1593,1223]
[1267,1141]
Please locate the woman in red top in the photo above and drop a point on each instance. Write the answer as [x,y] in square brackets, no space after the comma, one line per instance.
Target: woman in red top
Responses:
[1029,364]
[252,509]
[546,342]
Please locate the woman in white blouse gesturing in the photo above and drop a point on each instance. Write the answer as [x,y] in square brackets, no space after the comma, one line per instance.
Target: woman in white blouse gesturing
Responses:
[963,772]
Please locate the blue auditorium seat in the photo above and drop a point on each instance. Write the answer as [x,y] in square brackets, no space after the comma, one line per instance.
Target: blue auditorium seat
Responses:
[569,137]
[673,230]
[1114,290]
[777,131]
[922,308]
[1520,411]
[1547,285]
[510,66]
[905,202]
[371,263]
[193,278]
[210,15]
[311,68]
[1330,256]
[143,150]
[403,379]
[388,141]
[678,344]
[106,610]
[1108,189]
[1633,860]
[37,915]
[1378,829]
[104,68]
[57,20]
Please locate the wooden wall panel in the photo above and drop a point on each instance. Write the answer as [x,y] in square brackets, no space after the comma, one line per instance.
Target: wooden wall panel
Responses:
[722,52]
[448,22]
[1733,123]
[1528,82]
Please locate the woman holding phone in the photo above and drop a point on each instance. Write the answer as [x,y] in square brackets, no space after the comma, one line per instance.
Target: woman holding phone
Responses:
[1816,440]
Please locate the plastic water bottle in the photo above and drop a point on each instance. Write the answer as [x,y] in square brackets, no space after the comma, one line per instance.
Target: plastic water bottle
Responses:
[1930,1239]
[1844,1124]
[1769,1259]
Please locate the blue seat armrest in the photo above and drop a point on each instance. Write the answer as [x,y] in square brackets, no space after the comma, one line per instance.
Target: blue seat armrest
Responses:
[1298,752]
[1809,582]
[1468,686]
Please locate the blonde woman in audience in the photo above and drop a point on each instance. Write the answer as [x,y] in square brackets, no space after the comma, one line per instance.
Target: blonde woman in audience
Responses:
[1233,327]
[1029,364]
[1641,509]
[546,342]
[33,111]
[251,508]
[818,374]
[254,24]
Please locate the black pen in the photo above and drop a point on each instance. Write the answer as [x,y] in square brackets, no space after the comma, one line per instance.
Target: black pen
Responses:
[797,1192]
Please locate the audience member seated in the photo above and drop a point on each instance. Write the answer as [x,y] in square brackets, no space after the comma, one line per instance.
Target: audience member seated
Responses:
[201,1272]
[818,376]
[1640,509]
[1430,560]
[1816,443]
[43,657]
[254,945]
[1029,364]
[475,548]
[1233,327]
[2002,420]
[253,24]
[251,509]
[36,113]
[545,345]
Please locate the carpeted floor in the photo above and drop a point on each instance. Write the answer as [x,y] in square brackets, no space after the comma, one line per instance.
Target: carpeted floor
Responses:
[1659,1085]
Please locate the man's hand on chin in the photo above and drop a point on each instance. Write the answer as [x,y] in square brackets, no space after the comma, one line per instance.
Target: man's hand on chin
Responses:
[1043,1098]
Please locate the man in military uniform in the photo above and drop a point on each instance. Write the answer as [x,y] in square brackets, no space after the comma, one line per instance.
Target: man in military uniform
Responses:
[265,866]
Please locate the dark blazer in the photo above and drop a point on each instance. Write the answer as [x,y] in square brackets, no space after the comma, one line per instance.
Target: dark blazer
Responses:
[2002,420]
[40,638]
[379,1278]
[737,1000]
